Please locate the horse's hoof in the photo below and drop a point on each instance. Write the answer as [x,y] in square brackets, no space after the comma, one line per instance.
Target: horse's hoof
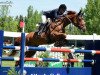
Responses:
[16,63]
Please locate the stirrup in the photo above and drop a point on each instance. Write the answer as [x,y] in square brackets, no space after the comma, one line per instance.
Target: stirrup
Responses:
[38,33]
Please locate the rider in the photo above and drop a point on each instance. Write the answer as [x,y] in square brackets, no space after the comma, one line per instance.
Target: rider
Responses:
[52,15]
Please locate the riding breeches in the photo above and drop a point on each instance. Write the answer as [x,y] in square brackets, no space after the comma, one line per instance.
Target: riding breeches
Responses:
[44,19]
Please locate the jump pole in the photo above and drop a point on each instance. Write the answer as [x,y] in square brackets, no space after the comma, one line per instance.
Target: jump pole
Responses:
[1,46]
[22,54]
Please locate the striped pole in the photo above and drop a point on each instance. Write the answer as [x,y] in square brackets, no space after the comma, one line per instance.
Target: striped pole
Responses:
[1,46]
[46,59]
[22,53]
[54,49]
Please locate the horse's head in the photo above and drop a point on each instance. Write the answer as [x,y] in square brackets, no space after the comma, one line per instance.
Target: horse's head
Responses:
[76,19]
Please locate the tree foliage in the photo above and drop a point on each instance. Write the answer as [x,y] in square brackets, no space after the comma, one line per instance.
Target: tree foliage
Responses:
[92,16]
[9,23]
[32,18]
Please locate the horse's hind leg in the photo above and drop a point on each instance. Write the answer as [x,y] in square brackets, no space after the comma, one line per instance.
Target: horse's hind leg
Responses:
[30,53]
[70,56]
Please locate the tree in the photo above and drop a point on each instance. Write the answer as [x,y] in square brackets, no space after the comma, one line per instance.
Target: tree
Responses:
[32,18]
[4,10]
[7,22]
[92,16]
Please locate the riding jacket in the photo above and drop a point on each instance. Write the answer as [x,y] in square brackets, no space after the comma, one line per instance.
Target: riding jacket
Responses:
[52,14]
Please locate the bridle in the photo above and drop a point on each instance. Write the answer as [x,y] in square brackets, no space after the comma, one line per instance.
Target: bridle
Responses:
[75,20]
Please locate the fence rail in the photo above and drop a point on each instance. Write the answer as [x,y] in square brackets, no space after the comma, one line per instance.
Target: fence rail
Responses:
[68,37]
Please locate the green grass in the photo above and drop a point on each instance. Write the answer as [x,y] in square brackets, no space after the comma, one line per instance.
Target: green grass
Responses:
[79,64]
[8,63]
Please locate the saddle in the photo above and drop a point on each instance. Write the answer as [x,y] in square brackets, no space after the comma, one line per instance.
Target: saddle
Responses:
[42,28]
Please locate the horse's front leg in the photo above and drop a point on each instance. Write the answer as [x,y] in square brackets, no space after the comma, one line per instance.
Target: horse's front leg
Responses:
[63,35]
[59,35]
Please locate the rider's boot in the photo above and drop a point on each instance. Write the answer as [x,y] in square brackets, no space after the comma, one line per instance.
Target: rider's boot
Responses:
[40,28]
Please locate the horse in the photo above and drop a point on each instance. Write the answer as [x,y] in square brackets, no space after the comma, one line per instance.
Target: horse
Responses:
[54,32]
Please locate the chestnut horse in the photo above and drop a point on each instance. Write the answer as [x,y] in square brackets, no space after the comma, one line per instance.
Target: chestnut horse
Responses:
[54,32]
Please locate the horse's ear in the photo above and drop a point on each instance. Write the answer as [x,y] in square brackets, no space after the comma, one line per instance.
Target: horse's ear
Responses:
[80,13]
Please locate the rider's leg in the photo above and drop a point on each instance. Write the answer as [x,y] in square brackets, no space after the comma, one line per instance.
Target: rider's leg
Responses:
[44,21]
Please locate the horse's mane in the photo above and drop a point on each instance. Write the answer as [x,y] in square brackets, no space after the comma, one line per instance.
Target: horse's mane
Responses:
[71,12]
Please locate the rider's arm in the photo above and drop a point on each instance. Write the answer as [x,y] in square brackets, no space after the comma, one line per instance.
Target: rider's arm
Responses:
[57,15]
